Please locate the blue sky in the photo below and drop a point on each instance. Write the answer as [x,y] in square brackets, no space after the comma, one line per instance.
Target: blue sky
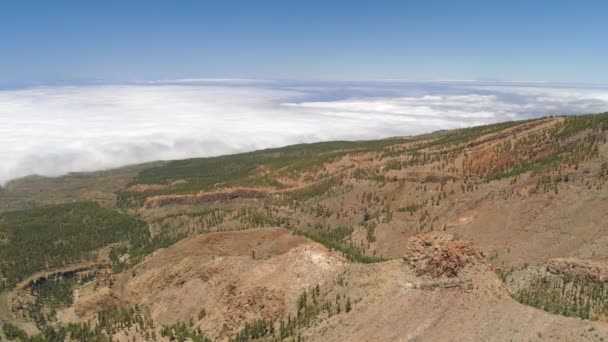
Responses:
[117,41]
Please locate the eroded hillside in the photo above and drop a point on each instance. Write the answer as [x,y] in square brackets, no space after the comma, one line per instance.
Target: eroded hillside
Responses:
[512,187]
[509,201]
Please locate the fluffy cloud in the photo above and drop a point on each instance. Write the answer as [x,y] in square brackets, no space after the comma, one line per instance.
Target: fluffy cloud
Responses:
[55,130]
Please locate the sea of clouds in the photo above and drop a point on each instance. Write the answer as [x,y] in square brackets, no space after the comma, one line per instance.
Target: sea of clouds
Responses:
[53,130]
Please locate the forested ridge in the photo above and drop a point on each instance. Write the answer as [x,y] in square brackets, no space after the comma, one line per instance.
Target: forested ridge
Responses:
[54,236]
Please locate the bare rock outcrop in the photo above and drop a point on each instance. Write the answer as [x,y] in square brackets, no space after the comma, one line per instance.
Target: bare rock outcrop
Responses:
[205,197]
[583,268]
[21,303]
[438,254]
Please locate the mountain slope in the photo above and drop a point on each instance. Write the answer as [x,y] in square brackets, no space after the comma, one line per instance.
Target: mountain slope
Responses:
[525,193]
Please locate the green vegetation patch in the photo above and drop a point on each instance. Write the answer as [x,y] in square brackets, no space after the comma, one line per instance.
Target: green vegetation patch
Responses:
[55,236]
[569,295]
[50,295]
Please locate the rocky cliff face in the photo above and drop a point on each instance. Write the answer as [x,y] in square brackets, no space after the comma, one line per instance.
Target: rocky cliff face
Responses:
[594,271]
[440,254]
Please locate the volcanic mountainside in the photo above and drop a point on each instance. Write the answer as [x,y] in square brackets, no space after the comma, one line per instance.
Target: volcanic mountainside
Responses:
[487,233]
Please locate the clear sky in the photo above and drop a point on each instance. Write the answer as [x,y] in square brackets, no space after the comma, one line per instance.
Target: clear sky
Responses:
[68,41]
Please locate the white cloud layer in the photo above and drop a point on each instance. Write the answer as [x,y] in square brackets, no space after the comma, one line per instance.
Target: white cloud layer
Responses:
[55,130]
